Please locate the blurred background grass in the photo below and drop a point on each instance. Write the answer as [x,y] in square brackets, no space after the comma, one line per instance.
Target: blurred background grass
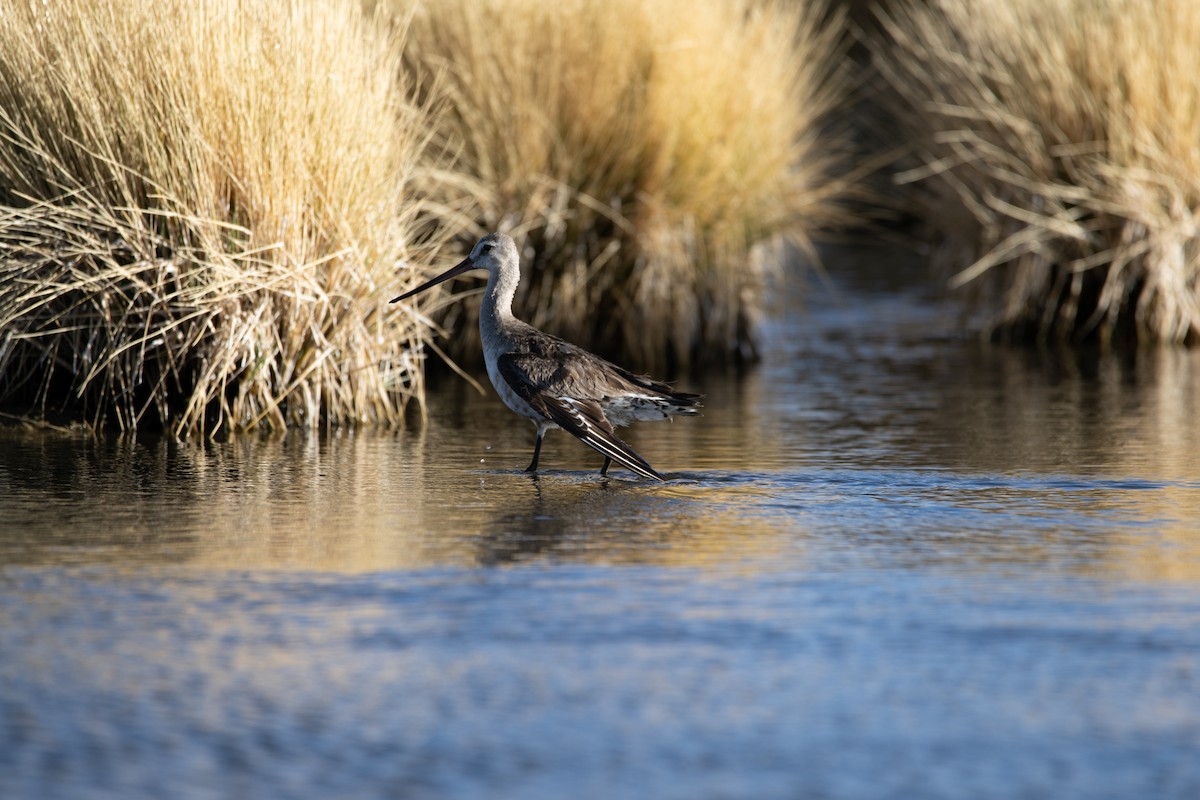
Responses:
[651,155]
[1053,149]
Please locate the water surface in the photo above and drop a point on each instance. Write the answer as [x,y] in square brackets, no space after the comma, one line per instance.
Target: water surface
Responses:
[889,562]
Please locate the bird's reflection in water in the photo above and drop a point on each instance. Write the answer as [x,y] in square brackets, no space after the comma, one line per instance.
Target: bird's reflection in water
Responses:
[546,521]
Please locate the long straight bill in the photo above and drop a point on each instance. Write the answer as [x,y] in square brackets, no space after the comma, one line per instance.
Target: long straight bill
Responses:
[465,266]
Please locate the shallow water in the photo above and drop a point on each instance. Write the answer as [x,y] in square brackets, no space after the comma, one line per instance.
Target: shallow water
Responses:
[888,563]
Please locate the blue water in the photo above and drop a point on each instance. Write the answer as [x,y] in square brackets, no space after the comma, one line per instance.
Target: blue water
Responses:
[580,680]
[890,563]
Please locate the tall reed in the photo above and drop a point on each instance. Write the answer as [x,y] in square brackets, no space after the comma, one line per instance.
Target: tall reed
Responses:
[202,210]
[1057,143]
[650,154]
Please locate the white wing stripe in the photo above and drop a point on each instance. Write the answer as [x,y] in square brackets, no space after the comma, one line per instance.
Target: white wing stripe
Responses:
[601,441]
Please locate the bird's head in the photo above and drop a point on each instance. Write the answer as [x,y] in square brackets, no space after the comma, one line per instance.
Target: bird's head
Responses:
[492,252]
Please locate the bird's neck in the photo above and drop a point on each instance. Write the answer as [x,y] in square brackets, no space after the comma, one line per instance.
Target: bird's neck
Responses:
[497,299]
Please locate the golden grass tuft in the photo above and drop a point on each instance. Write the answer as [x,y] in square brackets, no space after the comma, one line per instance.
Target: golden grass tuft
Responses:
[650,154]
[1058,143]
[202,206]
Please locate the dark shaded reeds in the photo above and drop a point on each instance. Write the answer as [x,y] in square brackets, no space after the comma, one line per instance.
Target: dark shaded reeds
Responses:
[202,208]
[1056,154]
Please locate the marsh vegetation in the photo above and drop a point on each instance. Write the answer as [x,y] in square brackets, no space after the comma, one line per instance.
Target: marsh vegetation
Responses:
[203,209]
[653,156]
[1055,149]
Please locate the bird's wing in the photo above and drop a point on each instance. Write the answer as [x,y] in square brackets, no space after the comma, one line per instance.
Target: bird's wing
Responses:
[546,384]
[580,374]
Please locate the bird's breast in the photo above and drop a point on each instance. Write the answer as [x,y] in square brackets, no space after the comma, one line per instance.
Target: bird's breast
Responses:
[508,395]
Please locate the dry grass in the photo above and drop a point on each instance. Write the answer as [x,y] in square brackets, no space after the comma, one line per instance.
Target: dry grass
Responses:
[650,154]
[1059,147]
[202,208]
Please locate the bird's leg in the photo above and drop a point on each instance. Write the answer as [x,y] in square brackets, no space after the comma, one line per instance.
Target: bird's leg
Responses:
[604,469]
[537,450]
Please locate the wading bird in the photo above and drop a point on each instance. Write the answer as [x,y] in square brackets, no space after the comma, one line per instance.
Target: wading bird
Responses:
[552,382]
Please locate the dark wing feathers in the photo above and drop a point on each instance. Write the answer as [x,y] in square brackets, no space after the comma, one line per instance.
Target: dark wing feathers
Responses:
[585,421]
[562,388]
[548,361]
